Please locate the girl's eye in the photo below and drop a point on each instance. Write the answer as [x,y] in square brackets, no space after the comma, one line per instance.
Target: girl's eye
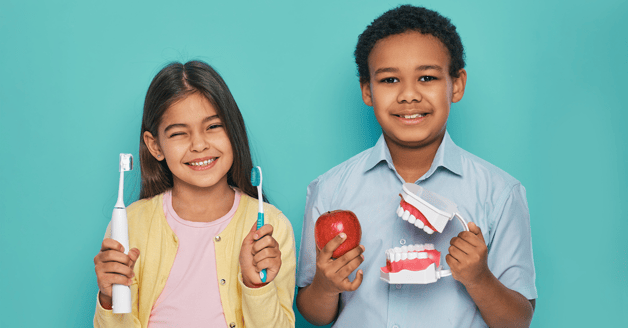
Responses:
[176,134]
[427,78]
[214,126]
[390,80]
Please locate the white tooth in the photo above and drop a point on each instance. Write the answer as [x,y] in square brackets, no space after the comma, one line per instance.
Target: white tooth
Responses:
[404,256]
[399,211]
[421,255]
[420,248]
[429,247]
[411,219]
[428,230]
[397,257]
[404,249]
[405,216]
[419,224]
[412,255]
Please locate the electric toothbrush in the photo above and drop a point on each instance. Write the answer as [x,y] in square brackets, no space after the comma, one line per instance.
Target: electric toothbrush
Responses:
[121,294]
[256,181]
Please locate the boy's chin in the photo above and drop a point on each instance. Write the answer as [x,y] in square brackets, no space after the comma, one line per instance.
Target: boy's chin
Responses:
[412,140]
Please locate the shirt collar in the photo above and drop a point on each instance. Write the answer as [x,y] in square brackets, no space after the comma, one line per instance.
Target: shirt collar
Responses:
[448,156]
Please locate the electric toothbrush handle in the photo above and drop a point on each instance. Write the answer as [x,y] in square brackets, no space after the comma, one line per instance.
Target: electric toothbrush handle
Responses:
[120,294]
[260,223]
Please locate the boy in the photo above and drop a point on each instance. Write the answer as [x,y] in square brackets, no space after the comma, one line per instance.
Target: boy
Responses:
[411,67]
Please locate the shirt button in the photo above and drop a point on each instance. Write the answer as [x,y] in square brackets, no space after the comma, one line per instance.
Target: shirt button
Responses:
[402,241]
[222,281]
[232,325]
[398,286]
[217,238]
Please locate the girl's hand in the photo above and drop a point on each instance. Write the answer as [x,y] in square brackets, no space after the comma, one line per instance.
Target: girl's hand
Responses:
[259,251]
[331,275]
[113,267]
[467,257]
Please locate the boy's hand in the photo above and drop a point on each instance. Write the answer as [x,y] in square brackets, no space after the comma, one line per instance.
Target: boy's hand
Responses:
[259,251]
[467,257]
[332,275]
[113,267]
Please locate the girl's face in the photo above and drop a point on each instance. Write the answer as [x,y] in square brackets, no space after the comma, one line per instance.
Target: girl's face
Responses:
[194,142]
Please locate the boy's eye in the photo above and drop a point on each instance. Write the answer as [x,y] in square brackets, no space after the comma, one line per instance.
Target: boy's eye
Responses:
[427,78]
[390,80]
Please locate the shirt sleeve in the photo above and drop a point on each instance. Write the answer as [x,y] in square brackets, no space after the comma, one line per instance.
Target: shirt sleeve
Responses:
[307,253]
[104,318]
[271,305]
[510,247]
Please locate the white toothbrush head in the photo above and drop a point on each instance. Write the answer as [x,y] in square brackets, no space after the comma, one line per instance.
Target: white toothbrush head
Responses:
[126,162]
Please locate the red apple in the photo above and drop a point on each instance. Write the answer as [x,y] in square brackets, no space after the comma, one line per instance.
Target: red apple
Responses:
[330,224]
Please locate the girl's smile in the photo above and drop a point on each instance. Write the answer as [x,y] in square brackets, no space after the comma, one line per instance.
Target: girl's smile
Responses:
[194,142]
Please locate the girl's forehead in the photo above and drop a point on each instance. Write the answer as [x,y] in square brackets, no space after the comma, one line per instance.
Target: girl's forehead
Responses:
[190,110]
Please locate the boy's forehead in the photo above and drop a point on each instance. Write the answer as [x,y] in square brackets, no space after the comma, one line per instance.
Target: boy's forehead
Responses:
[408,48]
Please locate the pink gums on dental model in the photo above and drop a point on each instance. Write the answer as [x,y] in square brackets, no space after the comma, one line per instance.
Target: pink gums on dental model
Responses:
[414,264]
[415,217]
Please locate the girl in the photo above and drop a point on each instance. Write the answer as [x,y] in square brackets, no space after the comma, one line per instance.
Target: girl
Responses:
[196,255]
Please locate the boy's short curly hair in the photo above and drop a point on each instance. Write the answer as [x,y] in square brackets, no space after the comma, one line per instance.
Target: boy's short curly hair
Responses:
[409,18]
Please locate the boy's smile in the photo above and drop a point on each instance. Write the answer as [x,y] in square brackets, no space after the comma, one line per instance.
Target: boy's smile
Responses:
[410,88]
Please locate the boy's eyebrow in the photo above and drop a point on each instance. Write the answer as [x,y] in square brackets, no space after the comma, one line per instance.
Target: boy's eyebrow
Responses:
[183,125]
[420,68]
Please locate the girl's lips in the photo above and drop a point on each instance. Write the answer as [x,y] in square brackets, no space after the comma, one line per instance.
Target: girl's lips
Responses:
[211,163]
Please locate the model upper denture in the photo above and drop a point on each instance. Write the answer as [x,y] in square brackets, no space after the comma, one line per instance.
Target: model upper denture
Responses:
[413,258]
[409,213]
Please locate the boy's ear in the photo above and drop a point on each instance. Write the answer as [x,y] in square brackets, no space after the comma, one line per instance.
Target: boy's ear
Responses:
[153,146]
[366,93]
[459,84]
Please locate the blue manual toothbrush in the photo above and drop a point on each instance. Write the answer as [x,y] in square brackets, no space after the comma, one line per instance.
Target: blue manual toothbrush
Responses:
[256,181]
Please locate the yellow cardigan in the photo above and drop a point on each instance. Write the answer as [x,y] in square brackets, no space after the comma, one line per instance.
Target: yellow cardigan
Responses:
[267,306]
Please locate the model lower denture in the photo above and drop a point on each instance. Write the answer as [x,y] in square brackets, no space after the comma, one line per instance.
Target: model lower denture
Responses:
[409,213]
[414,264]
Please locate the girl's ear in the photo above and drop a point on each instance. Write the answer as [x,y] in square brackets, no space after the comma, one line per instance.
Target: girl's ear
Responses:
[153,146]
[458,86]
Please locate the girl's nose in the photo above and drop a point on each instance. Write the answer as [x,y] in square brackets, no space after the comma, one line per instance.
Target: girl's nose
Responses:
[409,93]
[199,143]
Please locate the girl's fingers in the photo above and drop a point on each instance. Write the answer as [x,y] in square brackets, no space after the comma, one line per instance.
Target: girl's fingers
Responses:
[110,244]
[114,256]
[265,230]
[268,263]
[264,242]
[116,268]
[266,253]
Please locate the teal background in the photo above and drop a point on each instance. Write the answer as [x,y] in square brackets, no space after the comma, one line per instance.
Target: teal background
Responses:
[543,102]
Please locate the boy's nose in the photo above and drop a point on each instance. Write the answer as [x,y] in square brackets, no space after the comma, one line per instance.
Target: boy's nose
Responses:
[409,93]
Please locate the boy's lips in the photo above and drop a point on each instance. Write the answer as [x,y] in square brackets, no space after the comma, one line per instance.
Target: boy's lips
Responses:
[410,118]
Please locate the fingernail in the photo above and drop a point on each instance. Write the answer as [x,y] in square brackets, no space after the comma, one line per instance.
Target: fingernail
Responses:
[343,235]
[255,236]
[362,256]
[363,249]
[130,282]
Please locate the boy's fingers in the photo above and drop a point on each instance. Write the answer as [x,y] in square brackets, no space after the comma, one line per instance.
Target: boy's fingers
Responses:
[346,270]
[476,231]
[353,285]
[347,257]
[331,246]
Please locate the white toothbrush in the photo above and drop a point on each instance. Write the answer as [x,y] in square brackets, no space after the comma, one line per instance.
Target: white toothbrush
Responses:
[256,181]
[121,294]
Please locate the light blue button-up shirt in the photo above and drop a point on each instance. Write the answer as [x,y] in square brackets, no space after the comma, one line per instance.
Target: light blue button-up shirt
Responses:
[369,185]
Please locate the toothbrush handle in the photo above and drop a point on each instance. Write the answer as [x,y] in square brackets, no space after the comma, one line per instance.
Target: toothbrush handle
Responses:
[120,294]
[260,223]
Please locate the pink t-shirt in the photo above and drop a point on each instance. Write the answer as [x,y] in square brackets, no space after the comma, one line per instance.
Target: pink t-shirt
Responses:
[191,297]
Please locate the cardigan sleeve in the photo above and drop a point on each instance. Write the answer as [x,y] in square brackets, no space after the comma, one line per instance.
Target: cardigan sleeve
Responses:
[104,318]
[271,305]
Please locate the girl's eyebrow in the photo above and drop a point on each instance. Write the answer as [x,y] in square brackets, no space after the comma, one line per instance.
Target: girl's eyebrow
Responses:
[183,125]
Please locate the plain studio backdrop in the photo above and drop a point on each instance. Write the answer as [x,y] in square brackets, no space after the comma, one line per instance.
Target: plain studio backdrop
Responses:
[544,101]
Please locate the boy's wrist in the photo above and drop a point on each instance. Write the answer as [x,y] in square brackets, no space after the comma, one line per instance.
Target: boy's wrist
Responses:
[483,281]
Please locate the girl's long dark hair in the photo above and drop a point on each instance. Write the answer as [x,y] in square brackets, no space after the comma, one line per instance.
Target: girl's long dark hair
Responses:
[173,83]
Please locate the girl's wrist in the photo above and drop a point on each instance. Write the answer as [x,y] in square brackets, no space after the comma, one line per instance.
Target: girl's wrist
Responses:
[105,301]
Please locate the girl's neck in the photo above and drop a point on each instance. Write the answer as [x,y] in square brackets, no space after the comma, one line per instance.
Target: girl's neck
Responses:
[202,204]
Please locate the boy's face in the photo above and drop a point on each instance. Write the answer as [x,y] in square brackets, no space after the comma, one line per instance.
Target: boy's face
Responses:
[410,88]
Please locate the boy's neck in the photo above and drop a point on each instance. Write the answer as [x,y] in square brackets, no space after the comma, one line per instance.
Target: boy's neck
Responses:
[412,162]
[202,204]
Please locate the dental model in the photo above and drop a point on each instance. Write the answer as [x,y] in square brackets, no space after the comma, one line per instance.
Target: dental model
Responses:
[420,264]
[121,294]
[414,264]
[427,210]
